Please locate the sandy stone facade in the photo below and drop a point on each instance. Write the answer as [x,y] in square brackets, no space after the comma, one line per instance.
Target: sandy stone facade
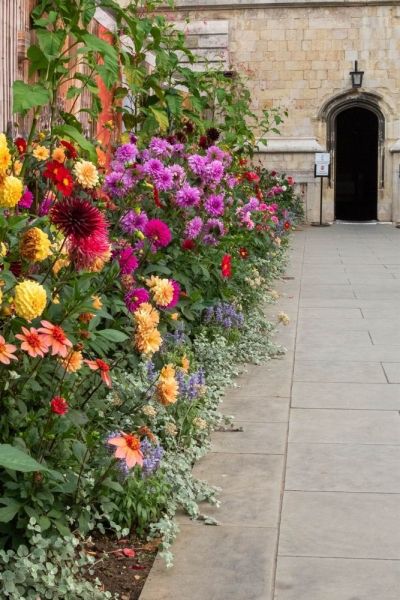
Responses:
[298,55]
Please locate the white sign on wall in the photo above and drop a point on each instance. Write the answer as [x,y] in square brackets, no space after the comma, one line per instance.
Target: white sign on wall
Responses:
[321,170]
[322,158]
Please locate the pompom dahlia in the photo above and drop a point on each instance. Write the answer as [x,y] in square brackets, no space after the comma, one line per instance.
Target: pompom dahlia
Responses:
[158,233]
[30,299]
[214,205]
[134,298]
[11,191]
[35,245]
[86,174]
[188,196]
[127,261]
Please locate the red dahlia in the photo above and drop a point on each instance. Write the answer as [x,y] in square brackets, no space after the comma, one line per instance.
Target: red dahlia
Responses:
[52,169]
[64,182]
[59,405]
[78,218]
[226,265]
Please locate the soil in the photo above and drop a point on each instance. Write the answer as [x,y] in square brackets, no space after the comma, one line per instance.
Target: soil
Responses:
[122,566]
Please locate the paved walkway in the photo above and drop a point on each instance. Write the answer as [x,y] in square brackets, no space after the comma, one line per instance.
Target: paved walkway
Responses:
[311,502]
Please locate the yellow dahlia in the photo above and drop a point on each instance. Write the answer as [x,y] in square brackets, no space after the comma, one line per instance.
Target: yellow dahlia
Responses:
[30,299]
[146,316]
[60,264]
[17,168]
[73,361]
[10,192]
[97,303]
[86,174]
[185,364]
[35,245]
[148,341]
[163,291]
[167,372]
[41,153]
[1,296]
[167,391]
[59,154]
[3,249]
[5,156]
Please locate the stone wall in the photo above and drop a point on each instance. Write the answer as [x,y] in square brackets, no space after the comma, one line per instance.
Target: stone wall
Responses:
[299,56]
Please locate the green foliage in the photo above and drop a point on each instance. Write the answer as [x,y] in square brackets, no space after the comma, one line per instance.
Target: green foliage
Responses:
[48,567]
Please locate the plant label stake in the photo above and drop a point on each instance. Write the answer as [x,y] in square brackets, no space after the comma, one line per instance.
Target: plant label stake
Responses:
[321,170]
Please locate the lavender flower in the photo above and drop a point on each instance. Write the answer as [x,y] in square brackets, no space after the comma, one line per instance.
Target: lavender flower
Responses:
[214,205]
[215,227]
[178,174]
[215,153]
[193,228]
[213,172]
[225,315]
[152,456]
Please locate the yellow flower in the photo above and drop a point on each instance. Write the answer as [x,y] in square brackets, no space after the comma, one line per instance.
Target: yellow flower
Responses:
[35,245]
[148,341]
[1,296]
[97,303]
[86,174]
[185,364]
[167,372]
[167,391]
[17,168]
[162,290]
[10,192]
[41,153]
[146,316]
[98,264]
[30,299]
[60,264]
[58,154]
[73,361]
[5,156]
[3,249]
[174,316]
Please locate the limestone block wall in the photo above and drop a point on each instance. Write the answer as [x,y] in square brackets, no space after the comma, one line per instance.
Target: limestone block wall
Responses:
[298,55]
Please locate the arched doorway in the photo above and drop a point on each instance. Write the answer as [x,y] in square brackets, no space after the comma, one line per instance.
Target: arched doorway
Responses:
[356,165]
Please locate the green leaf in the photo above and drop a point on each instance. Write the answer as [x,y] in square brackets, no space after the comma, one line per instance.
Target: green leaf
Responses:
[10,510]
[17,460]
[27,96]
[161,118]
[71,132]
[113,335]
[50,42]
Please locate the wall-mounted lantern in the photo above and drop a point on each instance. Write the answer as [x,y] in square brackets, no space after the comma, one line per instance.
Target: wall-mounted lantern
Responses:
[356,76]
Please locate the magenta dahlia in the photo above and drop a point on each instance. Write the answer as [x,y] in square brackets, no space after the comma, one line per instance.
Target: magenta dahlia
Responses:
[78,218]
[176,296]
[158,233]
[127,261]
[134,298]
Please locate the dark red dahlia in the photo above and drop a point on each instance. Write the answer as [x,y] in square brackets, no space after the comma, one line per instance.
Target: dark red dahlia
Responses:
[213,134]
[70,150]
[188,245]
[203,141]
[21,145]
[78,218]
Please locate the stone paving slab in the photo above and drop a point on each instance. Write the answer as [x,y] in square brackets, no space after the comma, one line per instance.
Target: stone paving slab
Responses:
[257,408]
[340,525]
[250,485]
[256,438]
[338,371]
[301,578]
[342,468]
[344,426]
[214,563]
[361,396]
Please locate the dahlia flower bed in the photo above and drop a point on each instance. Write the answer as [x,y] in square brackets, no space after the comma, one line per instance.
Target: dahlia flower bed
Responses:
[129,295]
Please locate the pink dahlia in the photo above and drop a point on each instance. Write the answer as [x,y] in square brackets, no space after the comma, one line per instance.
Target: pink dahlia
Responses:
[134,298]
[158,233]
[84,251]
[176,296]
[127,261]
